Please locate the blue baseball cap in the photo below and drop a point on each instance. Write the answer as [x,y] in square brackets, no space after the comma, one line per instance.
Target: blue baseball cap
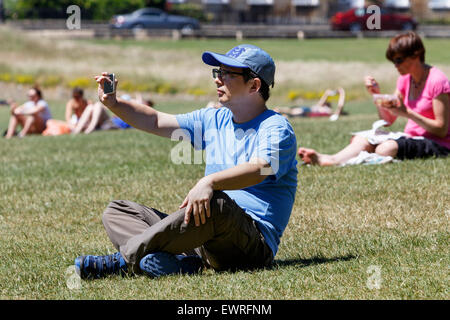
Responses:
[245,56]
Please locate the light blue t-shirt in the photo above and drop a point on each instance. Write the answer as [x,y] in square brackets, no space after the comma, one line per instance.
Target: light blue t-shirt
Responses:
[269,136]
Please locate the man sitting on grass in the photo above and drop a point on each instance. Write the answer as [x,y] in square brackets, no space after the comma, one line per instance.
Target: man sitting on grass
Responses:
[233,218]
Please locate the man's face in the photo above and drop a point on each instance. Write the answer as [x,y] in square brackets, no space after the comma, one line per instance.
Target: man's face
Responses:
[231,86]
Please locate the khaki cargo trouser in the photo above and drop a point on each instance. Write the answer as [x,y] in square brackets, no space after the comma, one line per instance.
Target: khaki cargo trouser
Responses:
[229,240]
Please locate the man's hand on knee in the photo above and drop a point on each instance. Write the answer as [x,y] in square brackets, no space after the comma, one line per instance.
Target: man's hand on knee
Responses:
[197,202]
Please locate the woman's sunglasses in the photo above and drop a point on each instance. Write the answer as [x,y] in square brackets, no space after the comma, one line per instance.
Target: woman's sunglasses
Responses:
[398,60]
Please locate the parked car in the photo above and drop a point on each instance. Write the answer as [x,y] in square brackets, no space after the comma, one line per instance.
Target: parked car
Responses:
[356,20]
[153,18]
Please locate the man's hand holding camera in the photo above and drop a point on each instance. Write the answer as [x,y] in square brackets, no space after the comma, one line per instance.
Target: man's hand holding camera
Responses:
[109,99]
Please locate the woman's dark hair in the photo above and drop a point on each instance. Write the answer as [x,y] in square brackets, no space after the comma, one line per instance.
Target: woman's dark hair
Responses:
[38,91]
[264,90]
[407,44]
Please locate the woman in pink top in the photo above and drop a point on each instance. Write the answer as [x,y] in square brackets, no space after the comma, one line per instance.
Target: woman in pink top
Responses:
[423,95]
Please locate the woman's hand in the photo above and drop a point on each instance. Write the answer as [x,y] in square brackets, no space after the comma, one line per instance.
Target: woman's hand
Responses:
[371,85]
[396,107]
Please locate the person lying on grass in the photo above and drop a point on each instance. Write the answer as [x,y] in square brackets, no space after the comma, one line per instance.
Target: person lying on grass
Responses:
[234,217]
[422,97]
[321,109]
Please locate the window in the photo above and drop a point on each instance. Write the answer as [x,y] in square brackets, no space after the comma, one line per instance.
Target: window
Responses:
[398,4]
[151,14]
[216,1]
[360,12]
[260,2]
[306,3]
[439,4]
[148,12]
[352,3]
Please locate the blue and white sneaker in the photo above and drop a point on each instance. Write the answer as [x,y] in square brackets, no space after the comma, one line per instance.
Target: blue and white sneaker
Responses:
[95,267]
[159,264]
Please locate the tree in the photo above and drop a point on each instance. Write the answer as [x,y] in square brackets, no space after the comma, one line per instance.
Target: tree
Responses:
[2,12]
[90,9]
[156,3]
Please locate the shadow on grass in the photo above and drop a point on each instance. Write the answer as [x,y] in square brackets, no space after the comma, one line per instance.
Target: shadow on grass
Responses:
[309,262]
[277,264]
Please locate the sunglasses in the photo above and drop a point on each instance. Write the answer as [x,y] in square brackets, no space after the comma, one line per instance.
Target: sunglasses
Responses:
[398,60]
[220,73]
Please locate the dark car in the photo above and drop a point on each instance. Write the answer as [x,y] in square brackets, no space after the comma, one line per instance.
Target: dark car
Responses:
[153,18]
[356,20]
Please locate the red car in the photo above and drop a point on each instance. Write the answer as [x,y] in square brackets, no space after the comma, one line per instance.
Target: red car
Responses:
[356,20]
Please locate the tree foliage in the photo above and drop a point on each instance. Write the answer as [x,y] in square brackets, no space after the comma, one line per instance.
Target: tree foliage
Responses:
[90,9]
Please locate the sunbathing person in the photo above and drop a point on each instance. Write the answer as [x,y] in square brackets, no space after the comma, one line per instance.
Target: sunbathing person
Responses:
[94,117]
[422,97]
[320,109]
[75,107]
[32,116]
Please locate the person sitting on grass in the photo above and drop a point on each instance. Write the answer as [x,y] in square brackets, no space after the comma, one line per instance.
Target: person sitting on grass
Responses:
[81,116]
[233,218]
[32,116]
[94,117]
[320,109]
[75,107]
[423,98]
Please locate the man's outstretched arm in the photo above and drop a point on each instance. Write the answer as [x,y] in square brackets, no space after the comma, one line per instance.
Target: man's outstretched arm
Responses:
[137,114]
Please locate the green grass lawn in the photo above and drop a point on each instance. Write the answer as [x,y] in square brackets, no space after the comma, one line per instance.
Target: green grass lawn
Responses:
[331,50]
[346,222]
[305,68]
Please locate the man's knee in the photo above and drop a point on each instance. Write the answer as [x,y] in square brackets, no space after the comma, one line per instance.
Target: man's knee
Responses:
[387,148]
[219,200]
[114,208]
[223,208]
